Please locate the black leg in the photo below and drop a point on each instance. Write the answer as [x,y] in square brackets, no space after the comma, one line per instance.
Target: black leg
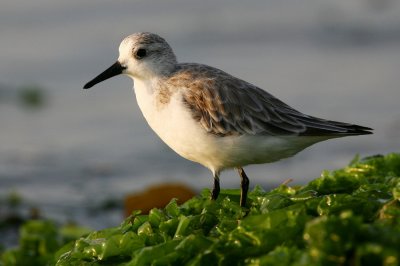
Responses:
[215,191]
[244,186]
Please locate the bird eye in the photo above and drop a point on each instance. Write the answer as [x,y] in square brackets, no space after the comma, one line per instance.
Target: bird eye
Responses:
[140,53]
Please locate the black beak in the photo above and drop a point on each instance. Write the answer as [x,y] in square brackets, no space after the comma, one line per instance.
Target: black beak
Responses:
[110,72]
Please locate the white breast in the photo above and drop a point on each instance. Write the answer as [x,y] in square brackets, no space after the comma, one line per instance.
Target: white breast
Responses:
[174,124]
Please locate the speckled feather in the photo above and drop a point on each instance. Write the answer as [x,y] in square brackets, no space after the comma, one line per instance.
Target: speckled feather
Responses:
[225,105]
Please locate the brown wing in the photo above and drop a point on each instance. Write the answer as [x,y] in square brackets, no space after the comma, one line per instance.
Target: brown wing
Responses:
[225,105]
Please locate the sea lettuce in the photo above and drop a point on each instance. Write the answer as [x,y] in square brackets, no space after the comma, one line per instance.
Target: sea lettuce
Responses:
[350,216]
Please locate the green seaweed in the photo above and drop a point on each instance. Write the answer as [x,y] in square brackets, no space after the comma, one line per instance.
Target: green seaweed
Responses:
[350,216]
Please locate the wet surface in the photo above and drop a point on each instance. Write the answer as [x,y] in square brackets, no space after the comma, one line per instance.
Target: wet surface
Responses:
[84,147]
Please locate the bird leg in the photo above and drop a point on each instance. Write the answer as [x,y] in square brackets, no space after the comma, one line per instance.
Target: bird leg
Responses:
[244,184]
[215,191]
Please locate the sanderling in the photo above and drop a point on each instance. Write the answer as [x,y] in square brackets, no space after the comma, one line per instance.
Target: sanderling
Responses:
[212,118]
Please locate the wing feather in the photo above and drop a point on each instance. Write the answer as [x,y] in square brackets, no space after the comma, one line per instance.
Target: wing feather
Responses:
[225,105]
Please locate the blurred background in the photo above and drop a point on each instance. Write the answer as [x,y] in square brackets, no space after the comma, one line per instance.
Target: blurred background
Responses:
[66,153]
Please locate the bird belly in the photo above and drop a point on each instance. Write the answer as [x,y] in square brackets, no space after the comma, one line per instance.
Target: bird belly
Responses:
[174,124]
[257,149]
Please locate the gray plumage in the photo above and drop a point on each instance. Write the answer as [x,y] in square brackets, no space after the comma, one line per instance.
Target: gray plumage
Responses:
[225,105]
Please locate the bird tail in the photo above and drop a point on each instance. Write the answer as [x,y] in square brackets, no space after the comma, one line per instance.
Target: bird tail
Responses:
[321,127]
[357,130]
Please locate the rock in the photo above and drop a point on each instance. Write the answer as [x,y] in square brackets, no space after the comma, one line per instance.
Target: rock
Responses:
[157,197]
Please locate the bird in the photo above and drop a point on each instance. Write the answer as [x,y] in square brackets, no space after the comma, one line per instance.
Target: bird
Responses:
[211,117]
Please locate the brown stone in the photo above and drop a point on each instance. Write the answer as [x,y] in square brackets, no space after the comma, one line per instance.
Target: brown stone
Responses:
[157,197]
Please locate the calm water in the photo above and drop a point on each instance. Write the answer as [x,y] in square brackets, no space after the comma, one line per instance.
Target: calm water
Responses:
[339,61]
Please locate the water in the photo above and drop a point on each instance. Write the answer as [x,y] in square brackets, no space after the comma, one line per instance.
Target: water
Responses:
[339,61]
